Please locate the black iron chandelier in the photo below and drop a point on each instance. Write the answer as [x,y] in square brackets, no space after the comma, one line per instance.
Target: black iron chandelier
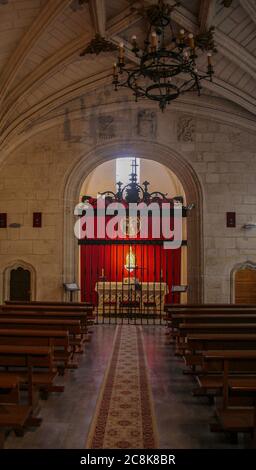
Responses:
[167,64]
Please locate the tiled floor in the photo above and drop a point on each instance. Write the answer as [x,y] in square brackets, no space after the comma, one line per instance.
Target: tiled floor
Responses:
[182,419]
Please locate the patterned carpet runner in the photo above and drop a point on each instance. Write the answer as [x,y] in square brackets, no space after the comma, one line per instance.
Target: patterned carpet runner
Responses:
[124,416]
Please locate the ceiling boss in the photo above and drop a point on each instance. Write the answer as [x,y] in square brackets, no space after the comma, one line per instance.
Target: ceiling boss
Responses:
[169,62]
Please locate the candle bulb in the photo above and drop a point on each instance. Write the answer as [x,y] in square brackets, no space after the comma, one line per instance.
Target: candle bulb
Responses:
[182,33]
[154,40]
[115,69]
[121,50]
[134,39]
[209,57]
[191,41]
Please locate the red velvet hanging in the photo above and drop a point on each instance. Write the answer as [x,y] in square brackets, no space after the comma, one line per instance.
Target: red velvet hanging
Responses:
[153,262]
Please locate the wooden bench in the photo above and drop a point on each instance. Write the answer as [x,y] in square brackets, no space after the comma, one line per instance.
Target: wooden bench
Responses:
[196,344]
[57,339]
[186,329]
[14,417]
[171,307]
[9,388]
[237,418]
[49,303]
[213,318]
[23,360]
[219,366]
[83,309]
[54,315]
[76,336]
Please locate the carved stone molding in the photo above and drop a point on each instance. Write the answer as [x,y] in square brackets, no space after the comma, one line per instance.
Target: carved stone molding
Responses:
[106,127]
[186,129]
[147,123]
[98,45]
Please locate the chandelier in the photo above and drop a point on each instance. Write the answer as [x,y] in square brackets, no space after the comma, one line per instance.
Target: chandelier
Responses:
[167,63]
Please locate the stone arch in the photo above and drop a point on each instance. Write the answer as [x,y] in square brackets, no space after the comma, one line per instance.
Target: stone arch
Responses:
[152,151]
[7,276]
[238,267]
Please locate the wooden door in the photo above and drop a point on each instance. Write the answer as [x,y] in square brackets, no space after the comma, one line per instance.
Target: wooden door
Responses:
[245,286]
[20,284]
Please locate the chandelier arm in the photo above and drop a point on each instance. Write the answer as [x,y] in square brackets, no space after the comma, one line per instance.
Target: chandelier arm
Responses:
[153,78]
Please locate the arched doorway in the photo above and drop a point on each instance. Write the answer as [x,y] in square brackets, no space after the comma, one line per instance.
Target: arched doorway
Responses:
[147,150]
[106,279]
[244,279]
[20,284]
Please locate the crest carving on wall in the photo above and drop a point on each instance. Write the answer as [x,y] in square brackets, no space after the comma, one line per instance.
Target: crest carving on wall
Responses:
[186,129]
[106,127]
[147,123]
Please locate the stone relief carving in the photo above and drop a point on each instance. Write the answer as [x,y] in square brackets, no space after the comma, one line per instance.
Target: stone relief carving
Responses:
[99,44]
[147,123]
[186,129]
[106,127]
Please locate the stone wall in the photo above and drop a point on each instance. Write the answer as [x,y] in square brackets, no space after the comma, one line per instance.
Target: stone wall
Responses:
[221,154]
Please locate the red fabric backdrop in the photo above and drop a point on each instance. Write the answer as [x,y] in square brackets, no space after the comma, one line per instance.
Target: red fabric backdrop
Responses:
[153,262]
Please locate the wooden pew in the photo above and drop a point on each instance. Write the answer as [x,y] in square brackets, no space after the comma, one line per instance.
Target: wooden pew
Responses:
[186,329]
[24,359]
[49,303]
[205,342]
[219,366]
[55,315]
[196,344]
[86,310]
[171,307]
[213,318]
[56,339]
[73,327]
[178,316]
[9,388]
[44,308]
[13,417]
[235,419]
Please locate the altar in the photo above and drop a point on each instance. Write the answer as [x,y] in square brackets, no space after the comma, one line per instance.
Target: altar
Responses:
[138,297]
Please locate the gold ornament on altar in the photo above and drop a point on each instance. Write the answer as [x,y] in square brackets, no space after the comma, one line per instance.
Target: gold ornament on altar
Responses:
[130,260]
[130,226]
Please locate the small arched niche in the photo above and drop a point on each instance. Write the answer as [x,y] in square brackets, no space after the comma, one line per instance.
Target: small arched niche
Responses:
[19,281]
[243,283]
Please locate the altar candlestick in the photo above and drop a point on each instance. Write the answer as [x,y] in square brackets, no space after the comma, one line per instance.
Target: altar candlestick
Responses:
[154,40]
[191,41]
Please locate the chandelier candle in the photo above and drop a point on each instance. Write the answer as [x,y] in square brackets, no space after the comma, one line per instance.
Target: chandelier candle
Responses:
[166,66]
[191,41]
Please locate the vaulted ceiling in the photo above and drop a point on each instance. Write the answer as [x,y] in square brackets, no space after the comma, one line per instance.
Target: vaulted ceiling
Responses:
[41,41]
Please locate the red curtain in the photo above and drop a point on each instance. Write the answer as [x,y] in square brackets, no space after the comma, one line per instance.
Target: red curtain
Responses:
[153,264]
